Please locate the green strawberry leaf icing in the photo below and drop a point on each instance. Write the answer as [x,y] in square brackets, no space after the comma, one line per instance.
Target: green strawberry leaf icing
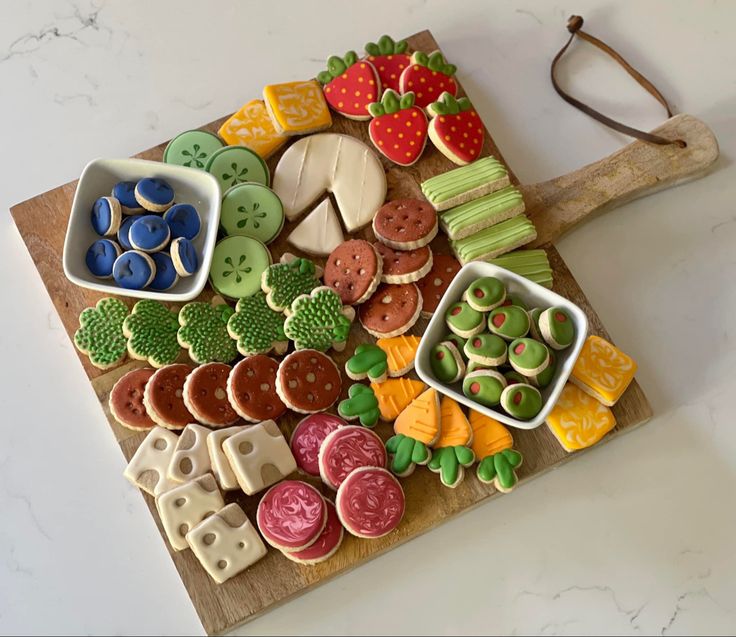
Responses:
[256,327]
[284,282]
[406,452]
[435,62]
[447,462]
[500,467]
[509,321]
[368,360]
[448,104]
[203,331]
[100,334]
[361,404]
[336,66]
[391,102]
[152,333]
[317,320]
[526,353]
[443,361]
[386,46]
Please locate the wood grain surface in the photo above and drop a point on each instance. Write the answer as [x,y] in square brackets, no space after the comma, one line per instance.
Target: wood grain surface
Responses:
[274,580]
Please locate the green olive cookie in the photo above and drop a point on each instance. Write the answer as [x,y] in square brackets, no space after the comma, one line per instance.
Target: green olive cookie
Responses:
[509,322]
[484,386]
[463,320]
[521,401]
[556,327]
[487,349]
[528,357]
[446,362]
[485,294]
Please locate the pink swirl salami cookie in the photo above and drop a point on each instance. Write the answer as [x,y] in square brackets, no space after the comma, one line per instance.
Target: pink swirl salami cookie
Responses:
[326,544]
[405,224]
[126,400]
[164,396]
[205,395]
[370,502]
[307,438]
[308,381]
[346,449]
[434,285]
[291,515]
[353,270]
[404,266]
[251,389]
[392,310]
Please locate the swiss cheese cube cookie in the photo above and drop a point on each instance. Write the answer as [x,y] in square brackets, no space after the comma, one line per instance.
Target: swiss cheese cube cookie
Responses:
[190,458]
[226,543]
[218,460]
[148,468]
[603,371]
[578,420]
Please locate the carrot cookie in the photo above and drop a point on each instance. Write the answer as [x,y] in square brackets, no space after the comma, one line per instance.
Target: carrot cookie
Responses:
[396,394]
[603,371]
[493,447]
[361,405]
[400,353]
[578,420]
[451,454]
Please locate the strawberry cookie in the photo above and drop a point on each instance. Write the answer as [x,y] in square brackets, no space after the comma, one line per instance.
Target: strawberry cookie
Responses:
[456,130]
[404,266]
[428,76]
[392,310]
[126,400]
[350,85]
[251,389]
[164,396]
[434,285]
[398,128]
[308,381]
[389,59]
[307,438]
[370,502]
[354,270]
[346,449]
[205,395]
[405,224]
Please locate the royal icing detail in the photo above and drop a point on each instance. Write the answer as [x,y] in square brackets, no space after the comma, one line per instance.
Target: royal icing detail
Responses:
[133,270]
[126,400]
[485,294]
[446,363]
[346,449]
[286,281]
[350,85]
[400,353]
[361,404]
[451,455]
[297,108]
[191,458]
[428,76]
[251,389]
[252,210]
[326,545]
[233,165]
[319,321]
[484,386]
[455,428]
[151,330]
[252,127]
[405,453]
[256,327]
[389,59]
[218,460]
[456,130]
[603,370]
[395,394]
[521,401]
[148,468]
[578,420]
[557,328]
[203,331]
[291,515]
[307,438]
[466,183]
[492,444]
[101,256]
[192,148]
[368,361]
[398,128]
[370,502]
[421,419]
[100,334]
[320,231]
[237,266]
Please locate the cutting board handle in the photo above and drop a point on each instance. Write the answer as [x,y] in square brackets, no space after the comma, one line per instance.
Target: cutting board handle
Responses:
[558,205]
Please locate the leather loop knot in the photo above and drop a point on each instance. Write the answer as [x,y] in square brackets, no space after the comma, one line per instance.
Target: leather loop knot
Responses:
[574,23]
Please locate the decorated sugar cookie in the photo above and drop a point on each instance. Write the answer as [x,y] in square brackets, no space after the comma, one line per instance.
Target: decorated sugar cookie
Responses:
[124,192]
[405,224]
[205,395]
[291,515]
[233,165]
[400,353]
[603,371]
[308,381]
[192,148]
[184,257]
[485,294]
[154,194]
[392,310]
[405,453]
[284,282]
[252,210]
[521,401]
[484,386]
[221,468]
[534,315]
[446,362]
[361,404]
[544,378]
[456,130]
[487,349]
[398,128]
[421,419]
[459,342]
[307,438]
[100,334]
[435,283]
[463,320]
[509,322]
[492,445]
[237,266]
[353,270]
[252,127]
[347,448]
[319,321]
[404,266]
[151,331]
[451,454]
[101,257]
[389,58]
[326,545]
[395,394]
[251,389]
[557,328]
[163,396]
[579,420]
[369,361]
[370,502]
[126,400]
[106,216]
[257,328]
[528,357]
[191,458]
[320,232]
[350,85]
[428,76]
[148,468]
[203,331]
[183,221]
[297,108]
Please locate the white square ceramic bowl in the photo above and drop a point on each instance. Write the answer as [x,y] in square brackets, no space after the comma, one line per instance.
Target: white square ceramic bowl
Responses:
[195,187]
[533,295]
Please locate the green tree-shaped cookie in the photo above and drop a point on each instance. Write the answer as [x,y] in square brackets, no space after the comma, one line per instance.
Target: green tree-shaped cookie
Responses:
[361,404]
[152,333]
[499,468]
[257,328]
[368,361]
[203,331]
[319,321]
[405,453]
[100,334]
[450,462]
[284,282]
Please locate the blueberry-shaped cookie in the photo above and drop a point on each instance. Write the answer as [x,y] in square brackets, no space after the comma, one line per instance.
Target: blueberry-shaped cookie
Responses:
[101,256]
[151,332]
[184,257]
[155,195]
[106,216]
[166,275]
[124,231]
[484,386]
[446,362]
[521,401]
[544,378]
[150,233]
[124,192]
[485,294]
[133,270]
[487,349]
[463,320]
[509,322]
[100,334]
[528,357]
[183,221]
[557,328]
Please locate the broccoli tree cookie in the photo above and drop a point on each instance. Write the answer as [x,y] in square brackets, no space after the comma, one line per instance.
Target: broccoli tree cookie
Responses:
[257,328]
[100,334]
[464,321]
[151,331]
[484,386]
[203,331]
[369,361]
[284,282]
[361,404]
[528,357]
[319,321]
[557,328]
[446,362]
[509,322]
[487,349]
[485,294]
[521,401]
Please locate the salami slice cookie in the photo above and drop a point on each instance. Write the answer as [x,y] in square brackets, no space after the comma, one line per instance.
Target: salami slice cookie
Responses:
[307,438]
[346,449]
[353,270]
[370,502]
[326,545]
[126,400]
[251,389]
[392,310]
[434,285]
[404,266]
[405,224]
[164,396]
[308,381]
[205,395]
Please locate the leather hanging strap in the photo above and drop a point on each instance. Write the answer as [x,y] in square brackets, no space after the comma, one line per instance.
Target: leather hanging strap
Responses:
[574,25]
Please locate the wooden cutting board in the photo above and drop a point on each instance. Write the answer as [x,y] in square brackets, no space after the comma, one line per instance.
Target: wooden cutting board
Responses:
[555,207]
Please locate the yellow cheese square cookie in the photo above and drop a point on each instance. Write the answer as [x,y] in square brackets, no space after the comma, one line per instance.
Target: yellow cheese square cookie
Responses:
[578,420]
[297,108]
[252,127]
[603,371]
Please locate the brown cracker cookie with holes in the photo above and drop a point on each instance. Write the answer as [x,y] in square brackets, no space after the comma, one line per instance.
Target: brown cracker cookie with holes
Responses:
[205,395]
[435,283]
[404,266]
[405,224]
[251,388]
[353,270]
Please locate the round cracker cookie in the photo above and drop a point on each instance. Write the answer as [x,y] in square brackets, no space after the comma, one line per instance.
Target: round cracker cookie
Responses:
[326,545]
[346,449]
[392,310]
[126,400]
[164,396]
[404,266]
[353,270]
[308,381]
[405,224]
[205,395]
[435,283]
[251,389]
[307,438]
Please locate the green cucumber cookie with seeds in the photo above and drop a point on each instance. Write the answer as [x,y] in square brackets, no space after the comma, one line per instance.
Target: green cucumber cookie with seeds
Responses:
[203,331]
[485,294]
[151,330]
[319,321]
[464,321]
[284,282]
[509,322]
[446,362]
[100,334]
[256,328]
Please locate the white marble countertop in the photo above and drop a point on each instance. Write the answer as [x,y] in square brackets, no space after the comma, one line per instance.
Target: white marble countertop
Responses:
[635,537]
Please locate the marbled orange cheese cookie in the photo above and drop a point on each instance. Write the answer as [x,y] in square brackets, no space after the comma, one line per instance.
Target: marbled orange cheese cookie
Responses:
[603,371]
[578,420]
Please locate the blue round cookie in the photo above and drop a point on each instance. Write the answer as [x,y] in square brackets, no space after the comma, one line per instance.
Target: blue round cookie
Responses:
[166,276]
[101,256]
[154,194]
[184,221]
[133,270]
[150,233]
[123,238]
[124,192]
[106,216]
[184,256]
